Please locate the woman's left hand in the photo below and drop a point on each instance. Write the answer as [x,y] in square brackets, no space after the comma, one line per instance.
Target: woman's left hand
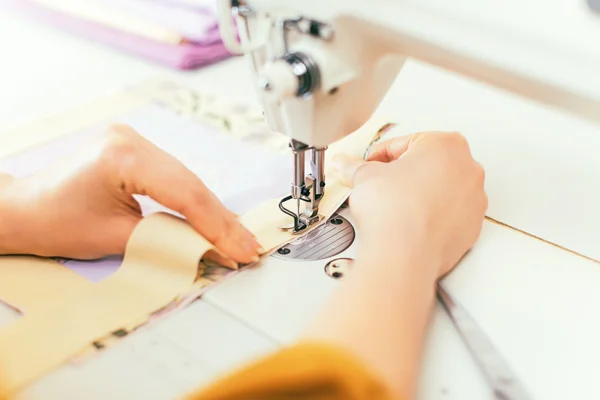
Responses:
[83,207]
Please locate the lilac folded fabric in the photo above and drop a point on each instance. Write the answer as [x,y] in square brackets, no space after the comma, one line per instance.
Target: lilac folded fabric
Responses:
[194,21]
[204,47]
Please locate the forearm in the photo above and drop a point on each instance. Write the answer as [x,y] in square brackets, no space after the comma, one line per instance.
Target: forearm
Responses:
[380,314]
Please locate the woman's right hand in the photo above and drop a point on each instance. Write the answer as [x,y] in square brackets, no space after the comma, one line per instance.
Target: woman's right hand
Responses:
[422,194]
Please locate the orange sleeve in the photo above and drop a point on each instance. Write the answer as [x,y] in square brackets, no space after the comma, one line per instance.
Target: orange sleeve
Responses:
[305,371]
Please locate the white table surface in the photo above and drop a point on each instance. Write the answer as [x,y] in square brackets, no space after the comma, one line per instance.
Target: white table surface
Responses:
[538,303]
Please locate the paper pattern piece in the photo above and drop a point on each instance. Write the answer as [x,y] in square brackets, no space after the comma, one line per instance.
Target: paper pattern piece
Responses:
[28,283]
[156,270]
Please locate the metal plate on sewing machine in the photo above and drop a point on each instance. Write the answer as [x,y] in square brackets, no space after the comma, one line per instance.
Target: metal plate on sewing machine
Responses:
[327,240]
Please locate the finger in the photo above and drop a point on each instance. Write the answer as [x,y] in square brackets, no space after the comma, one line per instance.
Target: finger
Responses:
[220,259]
[188,195]
[389,150]
[145,169]
[344,168]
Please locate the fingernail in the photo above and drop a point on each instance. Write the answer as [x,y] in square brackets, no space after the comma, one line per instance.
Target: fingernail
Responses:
[251,246]
[261,250]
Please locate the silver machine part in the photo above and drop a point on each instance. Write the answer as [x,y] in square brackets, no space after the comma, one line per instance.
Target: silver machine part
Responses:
[328,240]
[317,165]
[306,190]
[298,182]
[314,184]
[504,383]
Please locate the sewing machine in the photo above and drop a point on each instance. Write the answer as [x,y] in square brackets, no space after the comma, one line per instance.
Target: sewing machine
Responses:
[538,302]
[322,69]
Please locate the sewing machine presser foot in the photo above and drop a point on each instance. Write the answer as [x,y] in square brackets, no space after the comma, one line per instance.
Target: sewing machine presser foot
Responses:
[301,220]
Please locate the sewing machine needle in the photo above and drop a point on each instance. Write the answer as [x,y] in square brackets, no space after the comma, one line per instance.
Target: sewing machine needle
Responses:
[504,383]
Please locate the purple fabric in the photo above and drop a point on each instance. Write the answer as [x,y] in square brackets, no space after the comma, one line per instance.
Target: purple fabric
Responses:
[183,56]
[94,270]
[194,24]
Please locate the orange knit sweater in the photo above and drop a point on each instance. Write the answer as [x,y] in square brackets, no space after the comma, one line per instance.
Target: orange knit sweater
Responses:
[304,371]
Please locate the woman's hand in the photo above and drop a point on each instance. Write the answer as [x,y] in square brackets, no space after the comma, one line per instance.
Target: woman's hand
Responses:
[422,192]
[83,207]
[419,204]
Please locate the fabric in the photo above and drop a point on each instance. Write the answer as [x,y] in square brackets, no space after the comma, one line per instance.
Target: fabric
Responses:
[28,283]
[314,371]
[193,22]
[161,45]
[154,272]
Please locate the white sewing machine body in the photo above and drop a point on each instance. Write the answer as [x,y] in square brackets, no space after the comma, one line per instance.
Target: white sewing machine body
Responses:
[322,69]
[352,51]
[537,302]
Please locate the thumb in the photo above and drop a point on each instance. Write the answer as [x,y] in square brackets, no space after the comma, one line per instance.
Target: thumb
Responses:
[344,168]
[390,150]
